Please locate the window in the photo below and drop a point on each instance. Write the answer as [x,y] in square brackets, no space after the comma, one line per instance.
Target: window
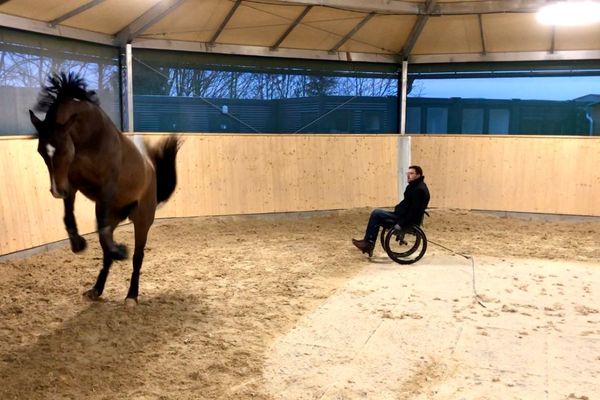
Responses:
[338,121]
[372,121]
[499,121]
[308,121]
[271,95]
[472,120]
[541,98]
[27,58]
[413,120]
[437,120]
[220,123]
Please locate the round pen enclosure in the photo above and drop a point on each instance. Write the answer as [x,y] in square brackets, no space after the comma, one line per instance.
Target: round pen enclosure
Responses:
[292,120]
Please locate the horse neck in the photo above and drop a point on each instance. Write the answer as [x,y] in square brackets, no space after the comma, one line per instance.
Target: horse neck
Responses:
[94,127]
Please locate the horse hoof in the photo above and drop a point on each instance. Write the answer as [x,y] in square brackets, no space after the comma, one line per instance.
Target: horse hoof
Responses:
[78,244]
[92,294]
[130,303]
[119,252]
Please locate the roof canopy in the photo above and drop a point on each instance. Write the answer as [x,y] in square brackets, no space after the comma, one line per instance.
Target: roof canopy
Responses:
[421,31]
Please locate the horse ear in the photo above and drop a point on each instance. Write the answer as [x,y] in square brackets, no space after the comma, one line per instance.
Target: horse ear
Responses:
[35,121]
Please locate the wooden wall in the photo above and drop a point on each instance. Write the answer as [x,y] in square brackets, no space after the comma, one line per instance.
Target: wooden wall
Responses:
[29,215]
[218,175]
[557,175]
[247,174]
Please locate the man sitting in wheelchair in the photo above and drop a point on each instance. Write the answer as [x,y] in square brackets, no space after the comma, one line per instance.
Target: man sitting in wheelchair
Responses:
[409,211]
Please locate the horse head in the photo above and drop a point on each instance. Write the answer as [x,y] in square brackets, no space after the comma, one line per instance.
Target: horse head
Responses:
[55,145]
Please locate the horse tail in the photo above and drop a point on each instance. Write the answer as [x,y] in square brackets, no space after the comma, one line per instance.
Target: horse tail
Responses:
[163,157]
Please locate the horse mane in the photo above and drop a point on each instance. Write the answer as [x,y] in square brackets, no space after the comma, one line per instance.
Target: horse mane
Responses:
[64,86]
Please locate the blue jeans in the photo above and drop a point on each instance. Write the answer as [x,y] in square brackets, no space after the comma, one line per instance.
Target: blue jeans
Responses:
[379,217]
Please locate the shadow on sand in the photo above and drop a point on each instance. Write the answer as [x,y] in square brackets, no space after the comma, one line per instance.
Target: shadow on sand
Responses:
[98,350]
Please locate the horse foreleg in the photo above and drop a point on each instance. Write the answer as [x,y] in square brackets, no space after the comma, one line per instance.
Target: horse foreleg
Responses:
[107,260]
[95,292]
[105,231]
[78,243]
[141,236]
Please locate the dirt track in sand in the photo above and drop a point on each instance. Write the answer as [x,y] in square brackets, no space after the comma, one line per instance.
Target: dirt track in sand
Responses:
[215,294]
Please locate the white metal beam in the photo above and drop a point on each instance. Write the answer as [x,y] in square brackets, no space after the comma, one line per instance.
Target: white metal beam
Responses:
[291,27]
[410,7]
[378,6]
[150,17]
[491,7]
[224,23]
[417,29]
[352,32]
[506,56]
[11,21]
[403,94]
[264,51]
[481,34]
[74,12]
[365,57]
[129,87]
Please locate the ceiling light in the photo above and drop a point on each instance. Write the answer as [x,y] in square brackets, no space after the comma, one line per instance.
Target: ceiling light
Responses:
[570,13]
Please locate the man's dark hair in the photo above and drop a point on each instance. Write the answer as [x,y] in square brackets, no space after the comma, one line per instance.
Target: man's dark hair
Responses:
[417,169]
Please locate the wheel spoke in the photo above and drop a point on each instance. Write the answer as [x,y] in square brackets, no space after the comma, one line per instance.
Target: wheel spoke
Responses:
[405,246]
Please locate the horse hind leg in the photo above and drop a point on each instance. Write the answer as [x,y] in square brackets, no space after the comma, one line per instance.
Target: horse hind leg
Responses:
[117,251]
[107,220]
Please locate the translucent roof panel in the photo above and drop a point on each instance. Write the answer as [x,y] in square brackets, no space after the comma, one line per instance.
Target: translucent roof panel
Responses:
[191,21]
[103,18]
[450,34]
[375,30]
[515,32]
[381,34]
[258,24]
[40,10]
[322,28]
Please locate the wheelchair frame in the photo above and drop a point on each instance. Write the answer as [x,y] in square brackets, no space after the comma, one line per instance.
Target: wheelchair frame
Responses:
[404,245]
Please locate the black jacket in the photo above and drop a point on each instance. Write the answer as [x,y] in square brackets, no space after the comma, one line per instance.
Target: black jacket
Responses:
[410,211]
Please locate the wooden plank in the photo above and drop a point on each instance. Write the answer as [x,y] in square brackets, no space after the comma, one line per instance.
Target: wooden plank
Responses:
[29,215]
[524,174]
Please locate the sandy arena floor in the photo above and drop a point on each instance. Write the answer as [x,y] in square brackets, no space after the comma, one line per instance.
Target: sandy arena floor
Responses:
[286,308]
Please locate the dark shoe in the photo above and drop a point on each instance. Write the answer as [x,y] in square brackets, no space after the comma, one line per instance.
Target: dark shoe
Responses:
[365,246]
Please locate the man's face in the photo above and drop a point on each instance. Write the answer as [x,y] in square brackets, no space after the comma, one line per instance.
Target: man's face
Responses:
[411,175]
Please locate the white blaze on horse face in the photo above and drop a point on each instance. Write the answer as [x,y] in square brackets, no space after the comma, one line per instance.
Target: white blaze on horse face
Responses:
[50,150]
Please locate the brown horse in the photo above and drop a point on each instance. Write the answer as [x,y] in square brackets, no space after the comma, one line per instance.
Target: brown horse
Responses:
[84,151]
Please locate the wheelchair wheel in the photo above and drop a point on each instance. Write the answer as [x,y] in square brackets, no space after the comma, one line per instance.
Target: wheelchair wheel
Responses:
[382,236]
[405,245]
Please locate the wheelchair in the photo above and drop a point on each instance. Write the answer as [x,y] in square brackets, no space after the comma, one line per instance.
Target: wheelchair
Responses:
[404,245]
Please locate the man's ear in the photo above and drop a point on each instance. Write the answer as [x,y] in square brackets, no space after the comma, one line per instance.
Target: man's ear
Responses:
[35,121]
